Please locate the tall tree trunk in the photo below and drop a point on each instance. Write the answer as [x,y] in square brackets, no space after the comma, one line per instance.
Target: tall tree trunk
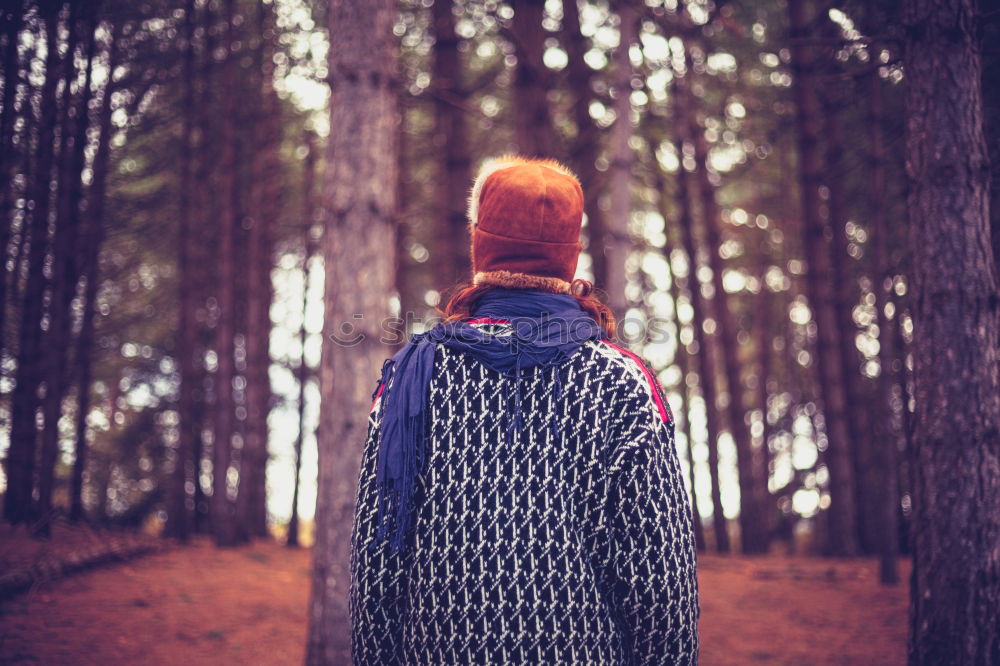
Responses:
[904,363]
[308,251]
[76,195]
[843,538]
[450,240]
[24,401]
[752,536]
[846,296]
[700,340]
[886,500]
[57,337]
[223,506]
[90,268]
[264,397]
[764,319]
[359,193]
[178,517]
[251,505]
[204,212]
[532,121]
[270,208]
[13,19]
[684,359]
[955,596]
[584,148]
[410,292]
[793,375]
[616,241]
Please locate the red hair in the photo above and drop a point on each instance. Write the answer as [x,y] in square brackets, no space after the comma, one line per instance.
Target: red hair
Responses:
[465,296]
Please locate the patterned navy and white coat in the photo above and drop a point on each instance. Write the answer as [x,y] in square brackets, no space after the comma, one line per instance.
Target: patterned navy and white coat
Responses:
[570,545]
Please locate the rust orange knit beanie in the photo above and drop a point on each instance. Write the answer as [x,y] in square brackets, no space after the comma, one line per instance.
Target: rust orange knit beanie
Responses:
[525,216]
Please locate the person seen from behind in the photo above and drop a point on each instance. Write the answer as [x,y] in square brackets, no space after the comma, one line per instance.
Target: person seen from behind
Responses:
[521,500]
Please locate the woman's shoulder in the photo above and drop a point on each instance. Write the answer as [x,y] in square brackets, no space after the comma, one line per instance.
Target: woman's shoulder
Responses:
[632,372]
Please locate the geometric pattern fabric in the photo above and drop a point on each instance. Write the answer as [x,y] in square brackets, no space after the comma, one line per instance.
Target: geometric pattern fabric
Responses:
[570,544]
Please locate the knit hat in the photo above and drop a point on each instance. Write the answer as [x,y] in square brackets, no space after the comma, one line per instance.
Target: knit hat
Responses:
[525,216]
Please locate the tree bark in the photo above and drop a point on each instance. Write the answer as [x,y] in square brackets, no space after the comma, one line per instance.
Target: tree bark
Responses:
[586,142]
[251,500]
[12,21]
[886,500]
[752,536]
[700,340]
[308,251]
[451,239]
[532,121]
[358,198]
[684,360]
[270,208]
[617,241]
[829,372]
[990,33]
[955,595]
[223,506]
[90,268]
[205,233]
[764,319]
[178,517]
[57,337]
[24,400]
[857,392]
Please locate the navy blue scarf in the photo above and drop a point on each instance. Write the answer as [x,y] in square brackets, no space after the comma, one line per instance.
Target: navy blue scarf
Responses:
[546,330]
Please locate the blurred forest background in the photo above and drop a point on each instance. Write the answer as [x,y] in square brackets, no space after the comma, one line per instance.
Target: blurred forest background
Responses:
[165,190]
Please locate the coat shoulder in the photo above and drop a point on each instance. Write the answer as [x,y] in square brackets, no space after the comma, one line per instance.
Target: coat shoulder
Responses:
[636,373]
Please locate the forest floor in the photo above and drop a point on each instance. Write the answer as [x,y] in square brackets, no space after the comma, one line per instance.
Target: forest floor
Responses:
[200,605]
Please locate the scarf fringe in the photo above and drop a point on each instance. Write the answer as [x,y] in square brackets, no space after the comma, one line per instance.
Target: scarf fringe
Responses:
[394,493]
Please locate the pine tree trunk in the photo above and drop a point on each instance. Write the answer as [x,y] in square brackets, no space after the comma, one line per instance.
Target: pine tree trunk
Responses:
[752,538]
[586,143]
[264,398]
[764,319]
[359,202]
[408,287]
[533,124]
[223,507]
[904,380]
[684,360]
[178,517]
[617,241]
[251,506]
[204,211]
[451,238]
[846,296]
[843,538]
[12,17]
[886,500]
[64,277]
[700,341]
[955,596]
[272,205]
[24,401]
[90,268]
[303,374]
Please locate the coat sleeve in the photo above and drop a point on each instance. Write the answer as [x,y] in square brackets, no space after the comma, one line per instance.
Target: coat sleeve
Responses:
[377,581]
[650,558]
